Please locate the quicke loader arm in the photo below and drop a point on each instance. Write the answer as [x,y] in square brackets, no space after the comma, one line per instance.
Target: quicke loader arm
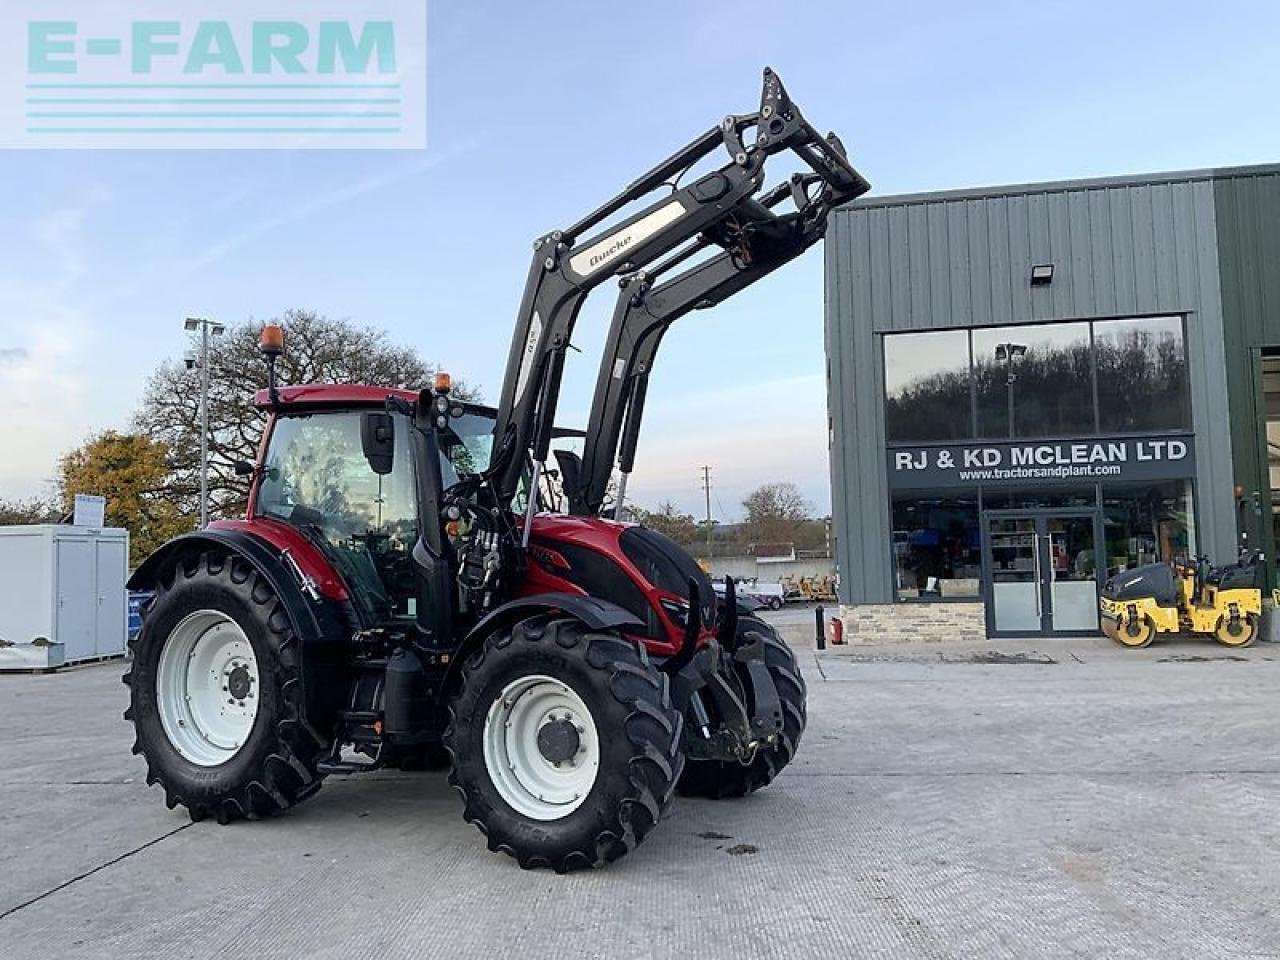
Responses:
[646,308]
[718,208]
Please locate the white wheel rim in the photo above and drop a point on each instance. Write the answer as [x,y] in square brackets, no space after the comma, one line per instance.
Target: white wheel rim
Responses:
[531,782]
[207,688]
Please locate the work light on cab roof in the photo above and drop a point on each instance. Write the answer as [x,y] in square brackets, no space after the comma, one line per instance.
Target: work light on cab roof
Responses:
[271,340]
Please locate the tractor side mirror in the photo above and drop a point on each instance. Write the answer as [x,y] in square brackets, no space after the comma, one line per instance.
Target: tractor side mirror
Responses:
[378,438]
[243,468]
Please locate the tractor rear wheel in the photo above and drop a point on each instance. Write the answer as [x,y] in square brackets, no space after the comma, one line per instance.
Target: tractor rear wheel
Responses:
[214,694]
[1237,631]
[720,780]
[565,745]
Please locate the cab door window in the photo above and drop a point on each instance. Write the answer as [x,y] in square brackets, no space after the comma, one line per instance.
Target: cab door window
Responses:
[316,478]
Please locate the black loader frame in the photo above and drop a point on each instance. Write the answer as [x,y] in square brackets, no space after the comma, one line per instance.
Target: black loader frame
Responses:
[718,209]
[648,305]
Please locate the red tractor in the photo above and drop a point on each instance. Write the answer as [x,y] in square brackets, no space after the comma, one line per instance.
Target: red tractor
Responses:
[410,586]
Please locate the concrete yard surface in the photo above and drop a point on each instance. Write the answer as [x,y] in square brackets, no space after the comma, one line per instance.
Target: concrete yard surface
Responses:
[1075,803]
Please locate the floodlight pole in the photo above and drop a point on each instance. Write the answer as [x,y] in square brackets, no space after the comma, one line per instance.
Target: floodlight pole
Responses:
[205,326]
[204,424]
[1008,352]
[706,486]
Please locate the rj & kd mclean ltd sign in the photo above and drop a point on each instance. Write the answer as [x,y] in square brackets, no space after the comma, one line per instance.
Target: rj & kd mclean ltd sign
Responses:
[1011,463]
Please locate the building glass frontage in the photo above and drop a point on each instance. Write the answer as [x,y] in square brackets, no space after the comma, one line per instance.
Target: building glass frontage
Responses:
[1035,388]
[1008,450]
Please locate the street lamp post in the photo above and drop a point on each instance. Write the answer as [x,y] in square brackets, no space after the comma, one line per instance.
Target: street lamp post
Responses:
[207,328]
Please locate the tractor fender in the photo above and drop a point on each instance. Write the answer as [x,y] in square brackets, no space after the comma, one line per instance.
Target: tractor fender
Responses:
[321,626]
[591,611]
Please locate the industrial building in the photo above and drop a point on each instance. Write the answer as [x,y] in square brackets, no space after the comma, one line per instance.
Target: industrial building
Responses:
[1034,387]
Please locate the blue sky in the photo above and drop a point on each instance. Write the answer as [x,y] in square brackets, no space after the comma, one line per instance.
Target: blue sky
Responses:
[538,112]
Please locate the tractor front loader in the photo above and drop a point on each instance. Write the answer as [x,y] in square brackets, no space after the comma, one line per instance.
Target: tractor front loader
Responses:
[398,589]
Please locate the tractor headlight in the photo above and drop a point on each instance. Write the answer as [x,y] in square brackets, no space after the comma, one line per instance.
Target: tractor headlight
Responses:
[677,611]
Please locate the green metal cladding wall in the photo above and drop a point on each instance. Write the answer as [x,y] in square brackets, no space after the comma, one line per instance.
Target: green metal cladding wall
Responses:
[1124,246]
[1247,206]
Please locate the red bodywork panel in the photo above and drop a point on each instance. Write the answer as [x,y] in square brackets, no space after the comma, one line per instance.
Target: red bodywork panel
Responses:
[590,533]
[284,537]
[601,536]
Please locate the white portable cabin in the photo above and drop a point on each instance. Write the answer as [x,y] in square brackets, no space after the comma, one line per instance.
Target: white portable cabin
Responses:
[62,595]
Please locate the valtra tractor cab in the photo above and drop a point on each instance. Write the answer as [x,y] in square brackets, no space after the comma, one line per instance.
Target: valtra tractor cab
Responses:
[399,591]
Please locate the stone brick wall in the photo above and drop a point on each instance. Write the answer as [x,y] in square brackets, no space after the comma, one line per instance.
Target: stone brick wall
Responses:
[914,623]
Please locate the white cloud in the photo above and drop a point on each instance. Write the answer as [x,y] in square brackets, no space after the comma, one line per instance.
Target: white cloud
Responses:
[60,233]
[43,374]
[188,265]
[44,399]
[47,324]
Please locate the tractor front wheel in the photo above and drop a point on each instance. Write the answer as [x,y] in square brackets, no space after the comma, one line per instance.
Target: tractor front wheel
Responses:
[214,694]
[565,745]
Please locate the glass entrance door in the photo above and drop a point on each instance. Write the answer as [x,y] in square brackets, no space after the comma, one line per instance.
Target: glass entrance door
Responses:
[1041,572]
[1016,602]
[1072,573]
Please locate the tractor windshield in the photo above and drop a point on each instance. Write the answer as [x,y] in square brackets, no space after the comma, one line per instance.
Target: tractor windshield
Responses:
[317,479]
[467,446]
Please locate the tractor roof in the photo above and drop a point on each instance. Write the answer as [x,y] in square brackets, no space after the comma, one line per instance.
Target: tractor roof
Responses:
[338,395]
[333,395]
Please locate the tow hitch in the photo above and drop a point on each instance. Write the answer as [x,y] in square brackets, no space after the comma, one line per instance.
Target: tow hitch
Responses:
[725,689]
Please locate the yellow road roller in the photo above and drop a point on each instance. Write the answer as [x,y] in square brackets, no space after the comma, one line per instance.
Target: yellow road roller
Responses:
[1197,598]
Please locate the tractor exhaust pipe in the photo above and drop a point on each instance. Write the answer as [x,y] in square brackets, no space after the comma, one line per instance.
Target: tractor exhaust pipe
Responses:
[532,508]
[622,496]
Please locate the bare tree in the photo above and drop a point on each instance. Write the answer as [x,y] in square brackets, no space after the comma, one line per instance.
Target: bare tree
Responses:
[21,512]
[668,519]
[776,513]
[318,350]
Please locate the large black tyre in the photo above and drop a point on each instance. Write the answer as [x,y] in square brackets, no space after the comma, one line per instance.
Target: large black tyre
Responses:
[275,767]
[719,780]
[637,742]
